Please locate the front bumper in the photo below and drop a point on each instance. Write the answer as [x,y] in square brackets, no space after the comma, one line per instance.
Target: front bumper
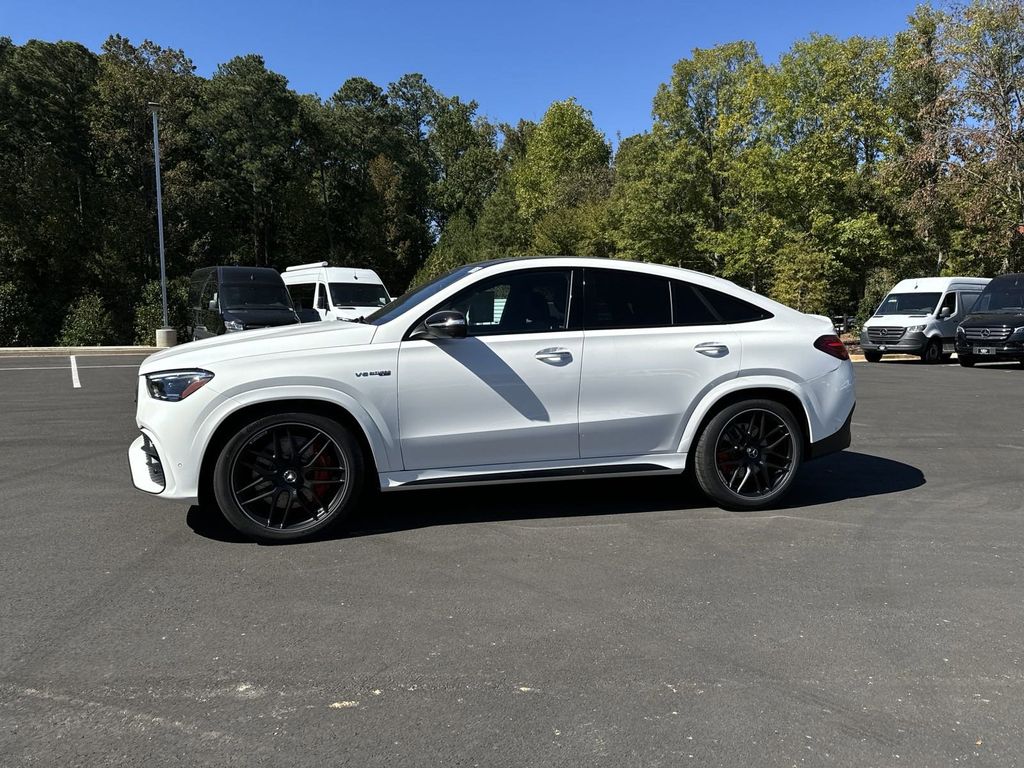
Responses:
[908,344]
[996,352]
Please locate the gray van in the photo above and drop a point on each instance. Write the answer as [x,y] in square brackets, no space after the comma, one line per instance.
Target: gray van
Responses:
[229,299]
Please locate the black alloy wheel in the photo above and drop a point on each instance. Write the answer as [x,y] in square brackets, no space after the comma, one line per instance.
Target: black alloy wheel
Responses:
[288,476]
[748,455]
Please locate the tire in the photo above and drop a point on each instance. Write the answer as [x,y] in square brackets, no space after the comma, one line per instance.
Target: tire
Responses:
[288,476]
[871,356]
[725,465]
[932,352]
[965,361]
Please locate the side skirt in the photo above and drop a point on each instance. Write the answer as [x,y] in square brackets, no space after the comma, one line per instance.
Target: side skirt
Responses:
[619,466]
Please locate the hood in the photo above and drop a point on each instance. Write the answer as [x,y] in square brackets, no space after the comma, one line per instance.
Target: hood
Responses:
[898,320]
[266,341]
[356,310]
[1006,319]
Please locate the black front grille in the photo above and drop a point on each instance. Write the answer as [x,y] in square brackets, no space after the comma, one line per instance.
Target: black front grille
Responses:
[882,334]
[992,333]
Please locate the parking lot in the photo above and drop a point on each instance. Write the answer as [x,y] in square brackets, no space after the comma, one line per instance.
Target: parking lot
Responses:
[875,620]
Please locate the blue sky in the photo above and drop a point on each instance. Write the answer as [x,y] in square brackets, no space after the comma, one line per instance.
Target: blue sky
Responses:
[514,58]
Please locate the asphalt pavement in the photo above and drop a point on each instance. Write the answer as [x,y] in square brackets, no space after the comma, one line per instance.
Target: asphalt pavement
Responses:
[875,620]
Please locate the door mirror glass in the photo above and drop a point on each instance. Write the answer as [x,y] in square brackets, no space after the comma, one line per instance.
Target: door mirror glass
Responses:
[945,312]
[447,324]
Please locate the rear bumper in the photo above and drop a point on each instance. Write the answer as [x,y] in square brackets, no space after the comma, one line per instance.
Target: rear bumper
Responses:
[835,442]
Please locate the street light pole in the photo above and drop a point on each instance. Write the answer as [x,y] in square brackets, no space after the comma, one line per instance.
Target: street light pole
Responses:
[154,108]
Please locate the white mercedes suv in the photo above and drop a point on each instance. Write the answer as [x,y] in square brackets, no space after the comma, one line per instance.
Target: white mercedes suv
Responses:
[519,369]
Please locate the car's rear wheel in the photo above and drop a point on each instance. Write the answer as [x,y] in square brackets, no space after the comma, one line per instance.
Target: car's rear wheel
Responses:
[965,360]
[871,356]
[288,476]
[932,351]
[748,454]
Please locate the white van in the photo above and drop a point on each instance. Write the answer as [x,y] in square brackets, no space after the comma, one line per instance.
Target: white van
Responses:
[919,317]
[336,293]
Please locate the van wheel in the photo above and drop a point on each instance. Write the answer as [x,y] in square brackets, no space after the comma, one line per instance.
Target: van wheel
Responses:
[965,360]
[288,476]
[748,455]
[932,352]
[872,356]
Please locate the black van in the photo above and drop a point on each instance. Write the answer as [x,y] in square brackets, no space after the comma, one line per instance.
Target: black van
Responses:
[994,331]
[227,299]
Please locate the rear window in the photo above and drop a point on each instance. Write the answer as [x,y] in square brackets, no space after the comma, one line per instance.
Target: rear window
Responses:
[699,305]
[621,299]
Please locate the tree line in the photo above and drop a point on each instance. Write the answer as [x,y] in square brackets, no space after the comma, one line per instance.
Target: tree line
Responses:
[819,179]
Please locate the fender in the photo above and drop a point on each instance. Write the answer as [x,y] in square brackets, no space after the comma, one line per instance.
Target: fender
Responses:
[382,442]
[757,380]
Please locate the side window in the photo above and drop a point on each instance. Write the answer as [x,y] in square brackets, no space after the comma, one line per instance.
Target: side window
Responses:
[530,301]
[321,297]
[967,301]
[729,308]
[621,299]
[689,307]
[208,294]
[302,295]
[948,302]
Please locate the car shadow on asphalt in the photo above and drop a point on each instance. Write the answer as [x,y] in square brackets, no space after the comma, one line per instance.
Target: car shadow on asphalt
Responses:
[841,476]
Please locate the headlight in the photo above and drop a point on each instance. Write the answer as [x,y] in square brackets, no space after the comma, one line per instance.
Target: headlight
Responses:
[960,331]
[1019,332]
[233,325]
[176,385]
[915,329]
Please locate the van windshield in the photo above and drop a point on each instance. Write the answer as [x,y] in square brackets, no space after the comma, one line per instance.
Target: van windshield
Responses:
[1002,296]
[241,296]
[358,295]
[908,304]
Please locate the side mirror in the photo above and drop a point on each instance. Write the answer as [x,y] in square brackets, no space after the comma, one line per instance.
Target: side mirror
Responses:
[945,312]
[444,325]
[212,306]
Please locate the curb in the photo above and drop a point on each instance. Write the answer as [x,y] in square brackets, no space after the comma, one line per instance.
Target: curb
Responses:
[77,351]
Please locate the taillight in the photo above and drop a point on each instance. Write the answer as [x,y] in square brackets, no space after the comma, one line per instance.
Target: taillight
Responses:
[831,345]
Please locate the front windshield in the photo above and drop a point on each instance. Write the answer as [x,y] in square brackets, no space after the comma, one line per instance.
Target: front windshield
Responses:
[242,296]
[412,297]
[908,304]
[1002,296]
[358,295]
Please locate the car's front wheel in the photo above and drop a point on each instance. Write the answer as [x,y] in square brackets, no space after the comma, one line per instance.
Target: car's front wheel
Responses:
[932,352]
[871,356]
[288,476]
[748,454]
[965,360]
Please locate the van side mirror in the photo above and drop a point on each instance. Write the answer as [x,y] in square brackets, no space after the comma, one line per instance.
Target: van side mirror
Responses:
[212,306]
[945,312]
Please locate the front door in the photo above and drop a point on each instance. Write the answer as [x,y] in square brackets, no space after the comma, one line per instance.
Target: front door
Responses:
[508,392]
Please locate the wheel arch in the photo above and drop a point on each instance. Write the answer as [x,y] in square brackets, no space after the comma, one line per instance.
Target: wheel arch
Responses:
[778,394]
[249,413]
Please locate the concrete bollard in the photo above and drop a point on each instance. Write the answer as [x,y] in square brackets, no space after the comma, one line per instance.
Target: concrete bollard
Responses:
[166,337]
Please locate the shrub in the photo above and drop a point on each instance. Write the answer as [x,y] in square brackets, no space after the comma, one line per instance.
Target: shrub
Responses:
[88,323]
[149,314]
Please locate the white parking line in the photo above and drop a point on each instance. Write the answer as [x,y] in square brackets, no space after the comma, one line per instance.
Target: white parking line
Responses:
[74,374]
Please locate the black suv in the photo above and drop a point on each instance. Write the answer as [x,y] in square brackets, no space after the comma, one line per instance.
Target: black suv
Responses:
[994,331]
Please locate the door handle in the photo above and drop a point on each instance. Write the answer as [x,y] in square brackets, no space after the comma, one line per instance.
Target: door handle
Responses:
[554,356]
[712,349]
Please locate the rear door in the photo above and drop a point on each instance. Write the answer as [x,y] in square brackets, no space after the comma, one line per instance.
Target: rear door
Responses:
[651,347]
